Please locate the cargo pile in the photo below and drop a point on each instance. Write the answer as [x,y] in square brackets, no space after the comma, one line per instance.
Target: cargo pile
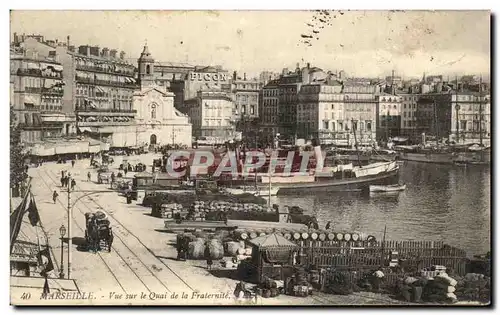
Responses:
[195,245]
[339,282]
[473,287]
[270,288]
[169,211]
[235,252]
[298,235]
[298,284]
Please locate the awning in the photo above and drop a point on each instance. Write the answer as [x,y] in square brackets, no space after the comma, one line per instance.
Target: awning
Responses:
[29,100]
[56,67]
[32,65]
[49,83]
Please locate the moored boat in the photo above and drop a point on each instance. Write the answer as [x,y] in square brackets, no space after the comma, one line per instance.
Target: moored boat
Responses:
[256,191]
[387,188]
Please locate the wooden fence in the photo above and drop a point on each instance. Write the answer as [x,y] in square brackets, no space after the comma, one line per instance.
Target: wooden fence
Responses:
[411,256]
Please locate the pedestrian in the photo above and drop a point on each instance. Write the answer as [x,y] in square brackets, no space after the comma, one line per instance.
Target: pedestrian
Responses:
[208,257]
[54,196]
[62,173]
[62,181]
[26,168]
[89,177]
[73,184]
[113,177]
[72,163]
[125,171]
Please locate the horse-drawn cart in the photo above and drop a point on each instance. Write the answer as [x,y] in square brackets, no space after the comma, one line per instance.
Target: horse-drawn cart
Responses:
[98,233]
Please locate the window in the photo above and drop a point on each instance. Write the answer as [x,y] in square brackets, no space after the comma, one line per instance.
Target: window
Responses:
[148,69]
[252,110]
[333,106]
[243,109]
[404,106]
[404,114]
[368,126]
[325,125]
[153,111]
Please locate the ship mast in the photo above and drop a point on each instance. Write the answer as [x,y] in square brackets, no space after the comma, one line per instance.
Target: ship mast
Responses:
[354,125]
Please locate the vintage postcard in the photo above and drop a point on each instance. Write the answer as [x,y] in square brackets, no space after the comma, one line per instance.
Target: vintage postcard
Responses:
[318,157]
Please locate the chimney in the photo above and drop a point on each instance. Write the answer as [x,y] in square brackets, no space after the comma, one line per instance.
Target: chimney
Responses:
[105,52]
[244,76]
[67,41]
[234,75]
[308,65]
[15,38]
[122,55]
[112,53]
[94,51]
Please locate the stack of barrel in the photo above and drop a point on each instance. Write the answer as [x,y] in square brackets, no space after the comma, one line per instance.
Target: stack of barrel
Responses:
[197,211]
[299,235]
[169,211]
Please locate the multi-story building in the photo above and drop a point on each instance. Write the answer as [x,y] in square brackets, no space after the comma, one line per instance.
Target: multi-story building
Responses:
[438,114]
[246,96]
[268,107]
[37,94]
[103,88]
[388,116]
[408,116]
[360,107]
[212,115]
[320,113]
[98,89]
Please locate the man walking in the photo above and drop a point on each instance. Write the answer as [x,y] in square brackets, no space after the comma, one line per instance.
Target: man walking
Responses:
[54,196]
[88,177]
[73,184]
[72,163]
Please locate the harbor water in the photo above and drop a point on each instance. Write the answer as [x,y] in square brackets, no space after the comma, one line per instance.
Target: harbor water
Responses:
[441,203]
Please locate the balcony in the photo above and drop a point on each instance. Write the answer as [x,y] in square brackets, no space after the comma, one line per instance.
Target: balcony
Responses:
[104,123]
[129,85]
[101,70]
[39,73]
[105,111]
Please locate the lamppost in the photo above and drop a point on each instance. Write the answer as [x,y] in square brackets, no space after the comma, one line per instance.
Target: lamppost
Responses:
[457,108]
[62,232]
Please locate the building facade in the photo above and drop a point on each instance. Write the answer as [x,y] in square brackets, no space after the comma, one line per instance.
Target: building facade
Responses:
[268,107]
[246,96]
[360,108]
[37,95]
[388,116]
[212,115]
[408,116]
[158,122]
[320,113]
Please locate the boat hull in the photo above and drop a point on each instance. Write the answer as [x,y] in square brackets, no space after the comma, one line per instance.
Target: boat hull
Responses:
[348,184]
[262,191]
[381,188]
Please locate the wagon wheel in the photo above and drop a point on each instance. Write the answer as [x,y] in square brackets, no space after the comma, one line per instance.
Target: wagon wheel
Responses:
[114,185]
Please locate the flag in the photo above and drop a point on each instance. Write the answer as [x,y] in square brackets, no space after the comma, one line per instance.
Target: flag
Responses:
[33,214]
[45,261]
[16,219]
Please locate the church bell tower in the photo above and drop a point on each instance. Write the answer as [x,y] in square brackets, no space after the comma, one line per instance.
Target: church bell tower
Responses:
[146,68]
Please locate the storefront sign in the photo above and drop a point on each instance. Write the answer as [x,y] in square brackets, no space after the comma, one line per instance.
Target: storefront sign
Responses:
[195,76]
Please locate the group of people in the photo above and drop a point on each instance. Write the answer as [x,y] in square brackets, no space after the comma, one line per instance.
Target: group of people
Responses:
[67,180]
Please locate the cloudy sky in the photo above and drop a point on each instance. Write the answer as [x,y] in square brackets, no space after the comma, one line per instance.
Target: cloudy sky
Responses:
[362,43]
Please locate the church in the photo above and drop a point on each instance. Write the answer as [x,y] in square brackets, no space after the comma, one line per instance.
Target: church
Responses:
[158,121]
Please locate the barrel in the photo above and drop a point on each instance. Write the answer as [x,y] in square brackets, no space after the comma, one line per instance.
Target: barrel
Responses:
[331,236]
[296,235]
[314,236]
[339,236]
[355,237]
[287,235]
[347,237]
[305,235]
[322,236]
[253,234]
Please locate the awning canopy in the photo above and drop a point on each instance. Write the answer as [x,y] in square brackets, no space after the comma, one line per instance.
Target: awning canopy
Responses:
[87,129]
[272,240]
[32,65]
[56,67]
[29,100]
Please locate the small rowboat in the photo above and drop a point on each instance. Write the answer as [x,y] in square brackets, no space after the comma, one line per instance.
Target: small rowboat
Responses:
[387,188]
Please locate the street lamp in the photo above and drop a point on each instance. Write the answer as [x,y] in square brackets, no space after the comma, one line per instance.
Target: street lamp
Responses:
[62,232]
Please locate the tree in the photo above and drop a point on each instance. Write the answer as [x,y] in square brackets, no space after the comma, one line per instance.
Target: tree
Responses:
[17,172]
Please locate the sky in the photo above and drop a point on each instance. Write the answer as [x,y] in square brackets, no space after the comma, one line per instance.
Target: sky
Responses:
[362,43]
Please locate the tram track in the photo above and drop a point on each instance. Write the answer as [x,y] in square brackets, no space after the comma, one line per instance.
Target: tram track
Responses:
[123,241]
[99,254]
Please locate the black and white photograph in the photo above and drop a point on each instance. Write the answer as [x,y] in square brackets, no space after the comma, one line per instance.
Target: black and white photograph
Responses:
[250,158]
